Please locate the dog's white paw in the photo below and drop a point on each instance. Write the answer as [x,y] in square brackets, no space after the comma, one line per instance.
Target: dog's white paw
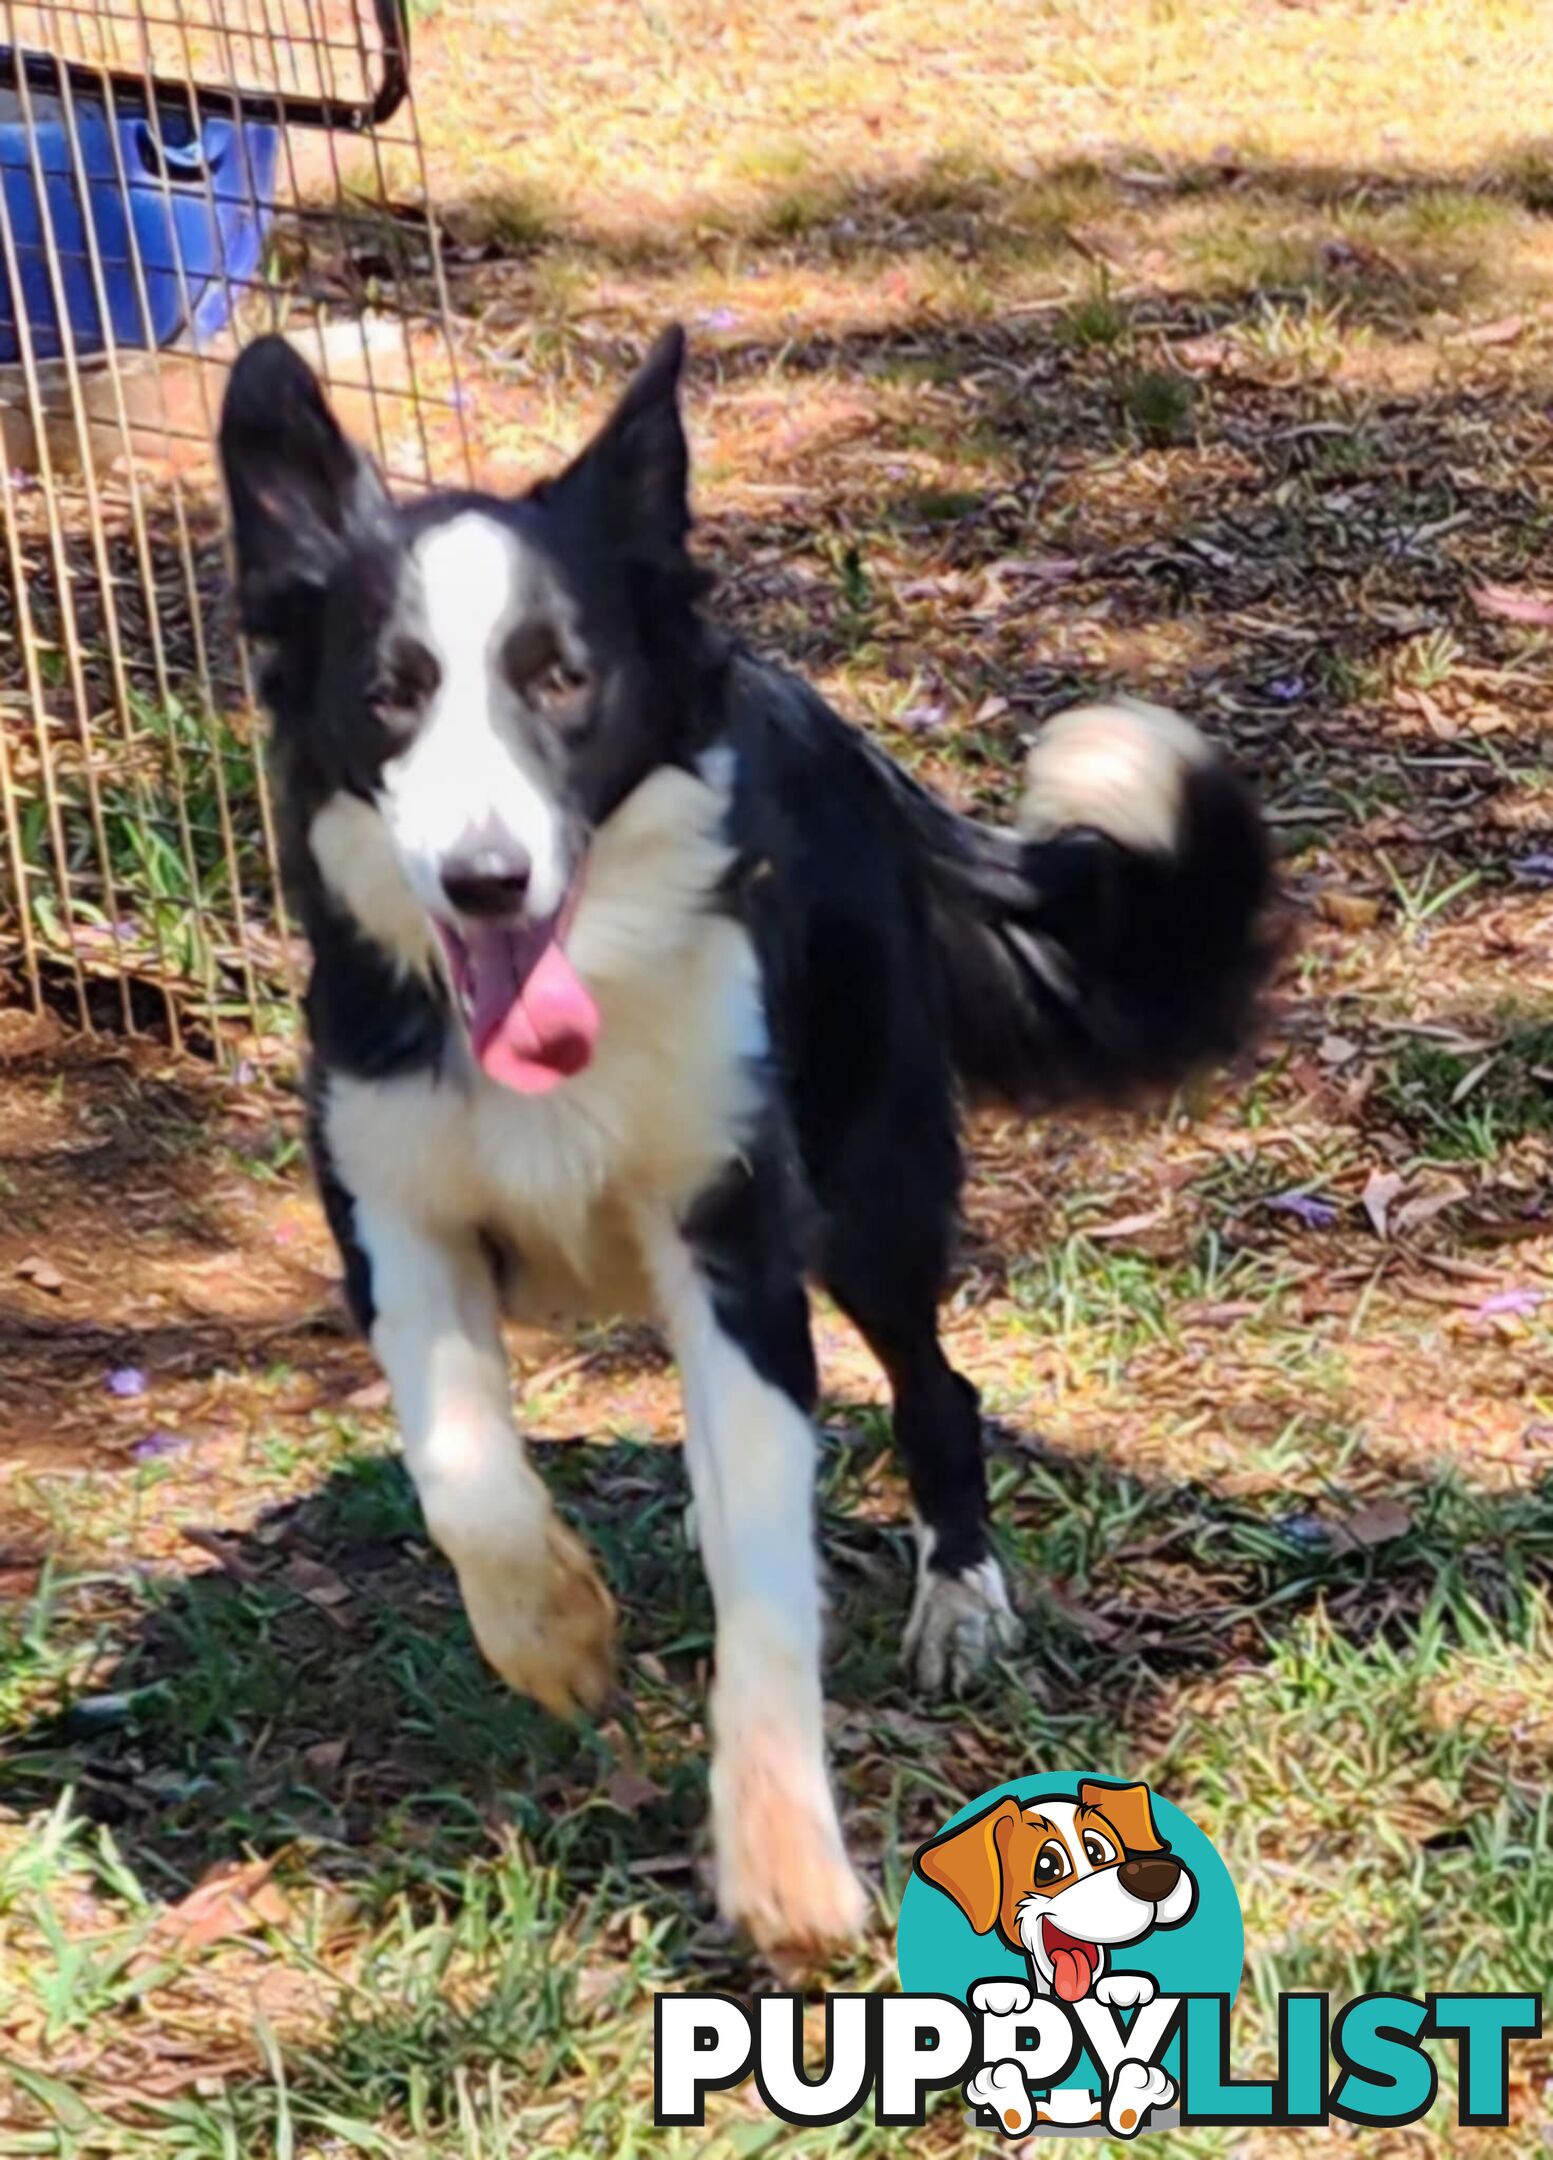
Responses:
[1119,768]
[534,1598]
[1125,1990]
[782,1869]
[957,1622]
[1001,2087]
[1002,1998]
[543,1619]
[1136,2088]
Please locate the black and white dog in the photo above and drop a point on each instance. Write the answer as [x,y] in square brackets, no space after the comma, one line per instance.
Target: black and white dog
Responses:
[643,982]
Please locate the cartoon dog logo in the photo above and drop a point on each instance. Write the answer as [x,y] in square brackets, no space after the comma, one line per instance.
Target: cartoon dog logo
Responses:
[1065,1881]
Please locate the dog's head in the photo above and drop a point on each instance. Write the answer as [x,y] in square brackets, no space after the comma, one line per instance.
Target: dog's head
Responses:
[1064,1880]
[465,687]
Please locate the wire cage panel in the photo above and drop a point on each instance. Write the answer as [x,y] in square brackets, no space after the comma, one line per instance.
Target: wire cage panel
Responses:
[139,886]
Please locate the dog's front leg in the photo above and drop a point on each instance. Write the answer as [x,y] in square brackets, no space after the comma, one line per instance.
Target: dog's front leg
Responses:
[534,1599]
[737,1320]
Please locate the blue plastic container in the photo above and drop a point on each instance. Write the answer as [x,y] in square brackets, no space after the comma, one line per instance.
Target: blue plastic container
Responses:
[190,198]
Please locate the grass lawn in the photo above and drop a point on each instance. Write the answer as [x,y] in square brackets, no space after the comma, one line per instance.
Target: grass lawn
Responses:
[1204,349]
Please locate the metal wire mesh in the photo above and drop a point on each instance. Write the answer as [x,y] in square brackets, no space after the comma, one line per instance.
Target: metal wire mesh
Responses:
[143,238]
[346,57]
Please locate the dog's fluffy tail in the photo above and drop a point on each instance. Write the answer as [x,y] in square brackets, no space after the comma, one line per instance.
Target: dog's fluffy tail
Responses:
[1117,939]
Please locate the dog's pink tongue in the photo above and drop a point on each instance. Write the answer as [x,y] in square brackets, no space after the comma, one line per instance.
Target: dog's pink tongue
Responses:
[532,1029]
[1070,1973]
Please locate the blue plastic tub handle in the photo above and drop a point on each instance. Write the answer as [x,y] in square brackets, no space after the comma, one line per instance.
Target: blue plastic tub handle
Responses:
[185,164]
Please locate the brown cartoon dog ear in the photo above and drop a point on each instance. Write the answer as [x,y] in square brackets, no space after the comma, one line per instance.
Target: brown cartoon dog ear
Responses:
[967,1864]
[1127,1809]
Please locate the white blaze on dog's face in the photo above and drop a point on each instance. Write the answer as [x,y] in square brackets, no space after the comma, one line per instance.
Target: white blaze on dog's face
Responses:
[465,688]
[471,781]
[484,676]
[1065,1880]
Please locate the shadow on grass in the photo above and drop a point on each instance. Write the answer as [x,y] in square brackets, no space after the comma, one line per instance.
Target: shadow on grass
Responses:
[317,1697]
[320,1688]
[1395,241]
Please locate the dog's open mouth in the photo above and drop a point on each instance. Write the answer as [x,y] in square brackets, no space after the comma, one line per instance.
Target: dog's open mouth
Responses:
[531,1020]
[1074,1963]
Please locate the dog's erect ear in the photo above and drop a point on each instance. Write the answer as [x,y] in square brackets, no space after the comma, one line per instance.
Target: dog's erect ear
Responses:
[637,467]
[967,1863]
[297,488]
[1127,1809]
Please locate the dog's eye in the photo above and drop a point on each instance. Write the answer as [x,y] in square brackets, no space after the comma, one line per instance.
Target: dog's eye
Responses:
[543,676]
[1051,1862]
[1097,1850]
[559,688]
[406,682]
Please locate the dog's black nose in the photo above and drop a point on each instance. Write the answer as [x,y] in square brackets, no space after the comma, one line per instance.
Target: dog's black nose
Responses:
[1151,1878]
[488,882]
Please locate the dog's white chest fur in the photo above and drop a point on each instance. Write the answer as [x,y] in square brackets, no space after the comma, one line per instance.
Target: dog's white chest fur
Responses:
[669,1097]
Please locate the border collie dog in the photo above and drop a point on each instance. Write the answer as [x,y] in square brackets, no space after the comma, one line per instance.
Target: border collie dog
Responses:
[644,983]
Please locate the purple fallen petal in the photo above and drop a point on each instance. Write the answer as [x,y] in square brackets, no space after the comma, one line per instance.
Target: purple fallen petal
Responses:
[1517,1303]
[156,1445]
[717,318]
[127,1382]
[923,716]
[1287,689]
[1314,1214]
[1535,869]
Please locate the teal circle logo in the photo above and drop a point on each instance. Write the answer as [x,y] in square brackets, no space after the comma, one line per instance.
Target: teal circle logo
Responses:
[1083,1891]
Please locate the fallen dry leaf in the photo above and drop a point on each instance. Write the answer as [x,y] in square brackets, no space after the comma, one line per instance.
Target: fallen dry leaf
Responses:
[312,1580]
[1503,330]
[1412,1214]
[1225,1315]
[1350,911]
[224,1549]
[322,1588]
[1515,603]
[41,1273]
[1375,1524]
[1126,1226]
[234,1898]
[1381,1188]
[594,1985]
[1206,354]
[629,1790]
[1079,1615]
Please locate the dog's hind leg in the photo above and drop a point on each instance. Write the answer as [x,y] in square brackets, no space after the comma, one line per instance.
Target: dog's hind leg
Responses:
[534,1599]
[885,1261]
[733,1304]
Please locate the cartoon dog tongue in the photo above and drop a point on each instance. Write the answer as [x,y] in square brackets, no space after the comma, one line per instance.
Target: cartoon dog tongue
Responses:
[532,1022]
[1073,1963]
